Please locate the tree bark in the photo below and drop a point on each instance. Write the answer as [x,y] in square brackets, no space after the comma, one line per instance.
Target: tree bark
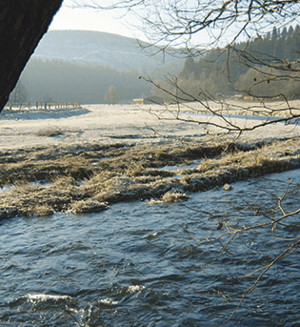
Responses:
[22,25]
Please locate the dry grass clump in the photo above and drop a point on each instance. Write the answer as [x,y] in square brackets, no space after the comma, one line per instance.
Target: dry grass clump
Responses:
[48,132]
[85,177]
[151,172]
[170,197]
[273,157]
[65,182]
[89,205]
[174,197]
[43,210]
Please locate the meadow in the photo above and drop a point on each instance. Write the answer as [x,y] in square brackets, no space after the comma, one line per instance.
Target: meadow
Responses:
[84,159]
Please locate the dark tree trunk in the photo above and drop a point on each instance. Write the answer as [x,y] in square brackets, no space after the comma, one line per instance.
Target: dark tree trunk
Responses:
[22,25]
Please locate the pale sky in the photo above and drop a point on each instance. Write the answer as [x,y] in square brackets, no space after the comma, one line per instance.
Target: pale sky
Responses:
[72,17]
[68,18]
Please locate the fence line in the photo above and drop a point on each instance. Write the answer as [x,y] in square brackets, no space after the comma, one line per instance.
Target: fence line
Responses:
[41,105]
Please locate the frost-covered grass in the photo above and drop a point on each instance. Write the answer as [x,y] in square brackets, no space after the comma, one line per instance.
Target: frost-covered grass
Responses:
[88,177]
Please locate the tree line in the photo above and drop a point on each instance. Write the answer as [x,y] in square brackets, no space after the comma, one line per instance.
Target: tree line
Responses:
[58,80]
[62,81]
[259,67]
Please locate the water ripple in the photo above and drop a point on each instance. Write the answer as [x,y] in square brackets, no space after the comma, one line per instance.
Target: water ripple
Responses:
[141,265]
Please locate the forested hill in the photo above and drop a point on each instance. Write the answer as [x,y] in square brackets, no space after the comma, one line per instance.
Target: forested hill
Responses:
[269,67]
[70,66]
[99,48]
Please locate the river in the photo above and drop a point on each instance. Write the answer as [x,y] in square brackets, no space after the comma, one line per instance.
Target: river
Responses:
[137,264]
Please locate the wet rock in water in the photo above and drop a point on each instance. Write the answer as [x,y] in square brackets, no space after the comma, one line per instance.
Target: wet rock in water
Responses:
[8,212]
[227,187]
[86,206]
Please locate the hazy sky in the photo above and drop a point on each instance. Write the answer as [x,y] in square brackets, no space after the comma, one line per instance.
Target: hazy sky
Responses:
[72,18]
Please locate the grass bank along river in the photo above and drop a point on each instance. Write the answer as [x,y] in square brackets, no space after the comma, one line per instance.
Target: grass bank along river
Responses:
[135,264]
[88,176]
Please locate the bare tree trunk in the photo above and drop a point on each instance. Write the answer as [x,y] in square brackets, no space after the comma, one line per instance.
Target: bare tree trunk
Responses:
[22,25]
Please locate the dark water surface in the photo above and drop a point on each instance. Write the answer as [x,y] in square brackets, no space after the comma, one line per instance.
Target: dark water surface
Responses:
[141,265]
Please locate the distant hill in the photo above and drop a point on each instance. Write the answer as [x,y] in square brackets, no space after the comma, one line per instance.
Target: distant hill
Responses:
[99,48]
[71,66]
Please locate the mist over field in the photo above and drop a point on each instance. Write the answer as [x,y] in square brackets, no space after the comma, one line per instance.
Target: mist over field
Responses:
[70,66]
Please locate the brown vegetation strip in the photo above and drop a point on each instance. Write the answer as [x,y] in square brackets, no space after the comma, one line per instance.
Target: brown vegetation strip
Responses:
[87,177]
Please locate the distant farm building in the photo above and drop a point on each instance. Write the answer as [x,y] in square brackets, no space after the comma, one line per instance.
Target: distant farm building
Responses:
[148,100]
[238,97]
[138,101]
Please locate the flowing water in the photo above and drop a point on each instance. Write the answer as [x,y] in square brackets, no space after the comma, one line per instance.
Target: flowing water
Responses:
[141,265]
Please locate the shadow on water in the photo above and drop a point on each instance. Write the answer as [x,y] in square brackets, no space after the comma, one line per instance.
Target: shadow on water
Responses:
[141,265]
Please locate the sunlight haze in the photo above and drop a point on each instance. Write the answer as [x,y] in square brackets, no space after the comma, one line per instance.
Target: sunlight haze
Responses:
[70,17]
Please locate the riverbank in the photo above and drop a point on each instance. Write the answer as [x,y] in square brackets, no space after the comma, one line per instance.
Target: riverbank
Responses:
[86,158]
